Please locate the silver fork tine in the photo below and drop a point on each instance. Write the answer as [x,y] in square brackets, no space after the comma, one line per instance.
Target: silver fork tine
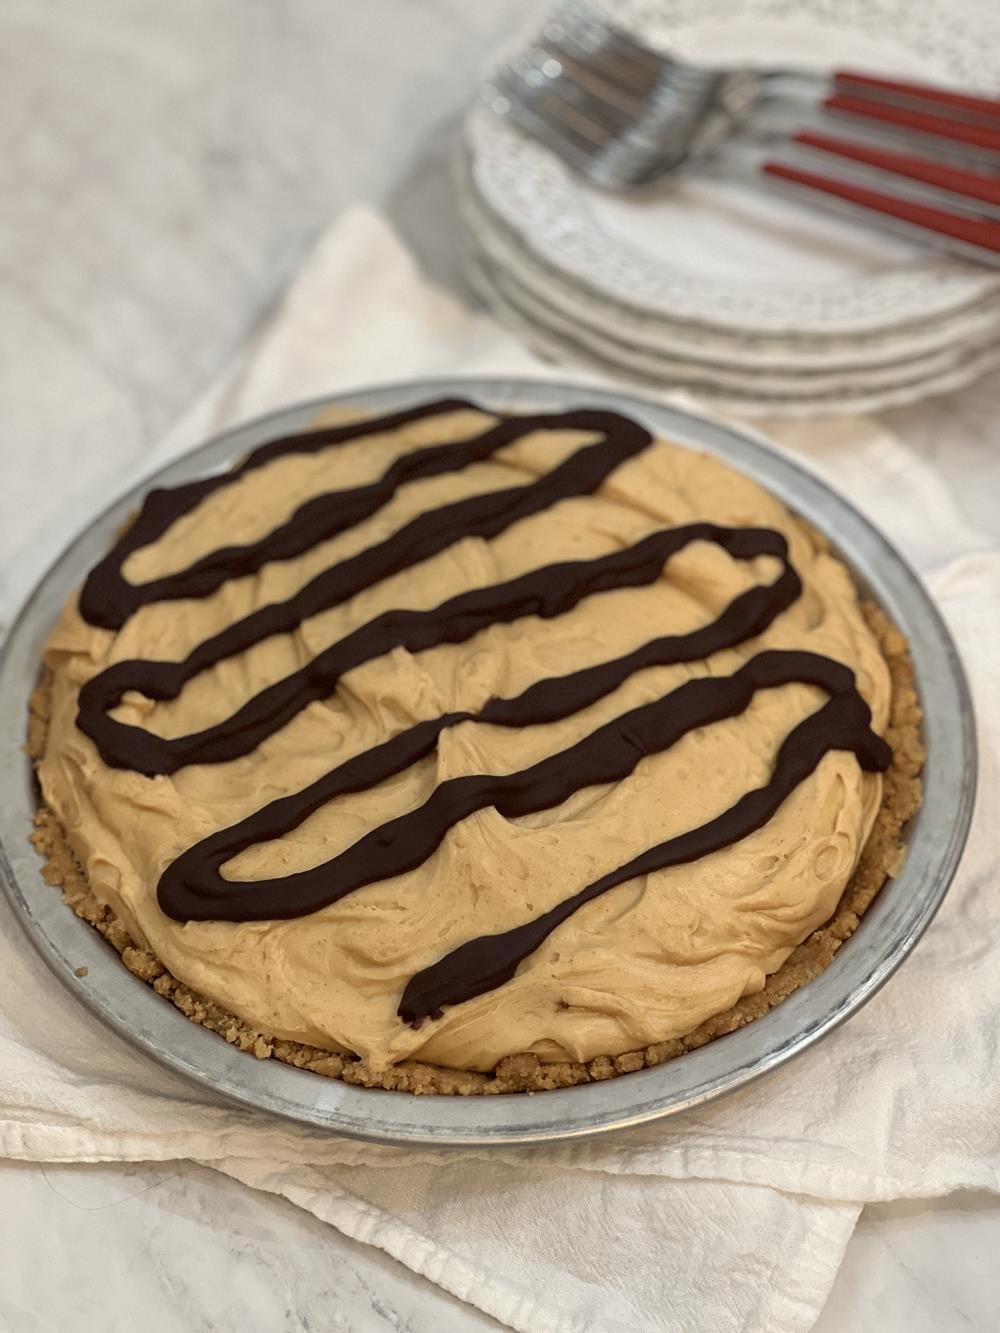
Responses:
[557,70]
[616,53]
[610,147]
[608,158]
[564,107]
[562,102]
[604,78]
[597,102]
[579,150]
[673,98]
[588,28]
[616,67]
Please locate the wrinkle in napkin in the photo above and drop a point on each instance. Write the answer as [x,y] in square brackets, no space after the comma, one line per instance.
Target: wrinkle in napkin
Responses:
[734,1216]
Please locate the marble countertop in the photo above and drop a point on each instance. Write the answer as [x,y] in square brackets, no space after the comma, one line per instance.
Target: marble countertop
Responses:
[164,168]
[196,1251]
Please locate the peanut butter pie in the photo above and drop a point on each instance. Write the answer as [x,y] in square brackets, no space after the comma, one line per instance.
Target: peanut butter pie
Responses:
[457,752]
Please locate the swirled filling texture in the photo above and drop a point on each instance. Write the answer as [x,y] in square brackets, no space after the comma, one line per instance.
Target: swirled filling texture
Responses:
[648,960]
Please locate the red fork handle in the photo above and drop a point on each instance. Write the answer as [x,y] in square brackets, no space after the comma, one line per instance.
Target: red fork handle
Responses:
[851,83]
[972,184]
[921,122]
[979,232]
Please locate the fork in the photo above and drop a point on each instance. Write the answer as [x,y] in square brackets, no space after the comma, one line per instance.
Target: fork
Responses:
[625,116]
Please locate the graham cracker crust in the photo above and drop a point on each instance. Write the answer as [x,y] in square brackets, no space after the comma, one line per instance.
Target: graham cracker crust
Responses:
[880,860]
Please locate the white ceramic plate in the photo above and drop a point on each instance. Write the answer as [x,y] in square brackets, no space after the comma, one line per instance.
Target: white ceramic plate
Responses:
[740,262]
[714,349]
[779,381]
[606,359]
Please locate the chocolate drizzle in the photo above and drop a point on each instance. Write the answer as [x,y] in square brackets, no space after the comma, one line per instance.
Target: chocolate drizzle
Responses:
[108,600]
[841,724]
[192,887]
[124,746]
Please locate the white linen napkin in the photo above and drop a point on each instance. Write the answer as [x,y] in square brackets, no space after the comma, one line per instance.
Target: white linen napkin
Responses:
[731,1217]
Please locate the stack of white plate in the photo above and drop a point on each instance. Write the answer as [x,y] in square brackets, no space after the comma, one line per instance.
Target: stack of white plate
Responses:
[757,303]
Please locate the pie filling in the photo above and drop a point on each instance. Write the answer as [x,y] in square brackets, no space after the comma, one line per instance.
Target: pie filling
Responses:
[448,736]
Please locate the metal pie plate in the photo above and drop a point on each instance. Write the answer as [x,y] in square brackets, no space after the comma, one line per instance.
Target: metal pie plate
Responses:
[889,930]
